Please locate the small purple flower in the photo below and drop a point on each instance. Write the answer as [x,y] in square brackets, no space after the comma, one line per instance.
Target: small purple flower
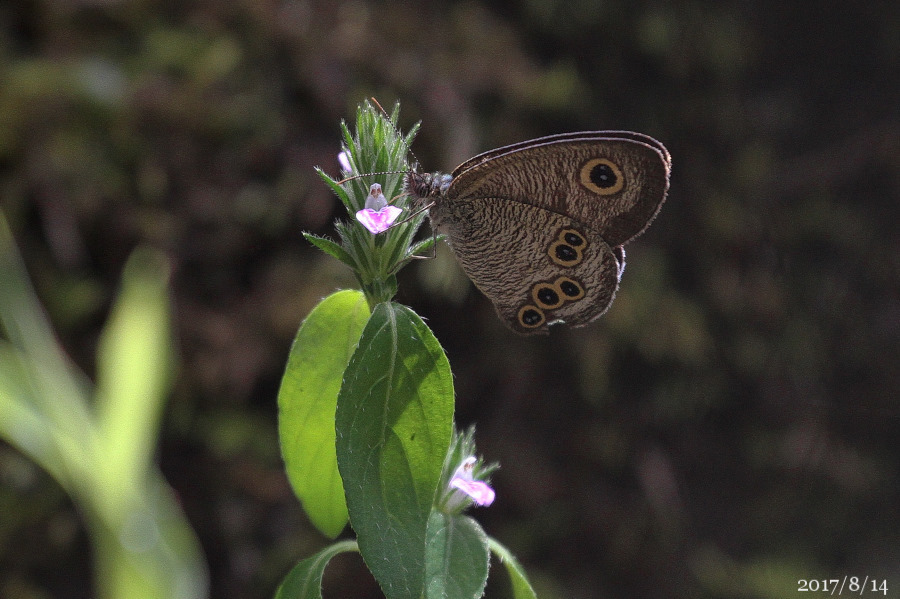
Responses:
[344,161]
[378,215]
[478,491]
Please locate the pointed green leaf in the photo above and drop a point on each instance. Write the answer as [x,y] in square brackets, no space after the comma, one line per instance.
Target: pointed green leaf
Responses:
[420,247]
[400,243]
[345,132]
[304,581]
[338,190]
[520,586]
[457,558]
[331,248]
[306,405]
[394,423]
[134,369]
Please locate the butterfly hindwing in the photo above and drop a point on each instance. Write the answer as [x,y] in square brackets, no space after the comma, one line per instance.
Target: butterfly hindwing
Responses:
[536,266]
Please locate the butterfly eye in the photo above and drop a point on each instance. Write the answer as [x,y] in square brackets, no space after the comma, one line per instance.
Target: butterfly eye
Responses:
[602,176]
[531,317]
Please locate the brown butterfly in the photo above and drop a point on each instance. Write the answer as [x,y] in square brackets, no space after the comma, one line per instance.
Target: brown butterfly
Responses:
[539,225]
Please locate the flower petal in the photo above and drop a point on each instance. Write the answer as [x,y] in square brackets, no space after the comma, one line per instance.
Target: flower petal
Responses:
[480,492]
[344,161]
[380,220]
[375,200]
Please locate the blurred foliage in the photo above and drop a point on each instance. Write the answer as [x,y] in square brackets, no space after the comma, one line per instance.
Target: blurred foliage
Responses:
[727,428]
[98,443]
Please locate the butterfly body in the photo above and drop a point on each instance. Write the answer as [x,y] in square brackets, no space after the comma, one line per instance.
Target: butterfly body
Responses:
[538,226]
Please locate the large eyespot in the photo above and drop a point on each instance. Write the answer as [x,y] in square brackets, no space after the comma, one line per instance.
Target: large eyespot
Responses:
[531,317]
[568,247]
[570,289]
[573,238]
[564,254]
[602,176]
[546,296]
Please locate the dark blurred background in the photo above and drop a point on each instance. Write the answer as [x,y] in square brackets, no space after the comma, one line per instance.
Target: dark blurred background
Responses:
[729,427]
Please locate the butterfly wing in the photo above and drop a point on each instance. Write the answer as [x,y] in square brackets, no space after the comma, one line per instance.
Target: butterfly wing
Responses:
[615,181]
[535,265]
[561,137]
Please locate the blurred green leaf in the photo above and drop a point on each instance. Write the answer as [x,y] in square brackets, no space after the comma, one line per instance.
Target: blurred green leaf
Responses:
[133,369]
[28,330]
[21,423]
[142,545]
[457,557]
[306,405]
[394,424]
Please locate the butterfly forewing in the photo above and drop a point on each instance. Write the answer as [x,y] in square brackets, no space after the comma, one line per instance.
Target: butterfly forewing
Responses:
[617,185]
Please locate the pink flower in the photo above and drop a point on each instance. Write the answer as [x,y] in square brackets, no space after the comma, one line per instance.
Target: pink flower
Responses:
[479,491]
[378,215]
[378,221]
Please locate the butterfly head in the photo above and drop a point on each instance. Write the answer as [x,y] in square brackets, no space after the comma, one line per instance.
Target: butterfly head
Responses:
[421,186]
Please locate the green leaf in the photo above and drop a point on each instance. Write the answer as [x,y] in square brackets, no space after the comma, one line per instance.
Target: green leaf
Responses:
[394,423]
[520,586]
[419,248]
[21,422]
[60,391]
[304,581]
[45,400]
[345,133]
[336,188]
[134,369]
[306,405]
[457,558]
[331,248]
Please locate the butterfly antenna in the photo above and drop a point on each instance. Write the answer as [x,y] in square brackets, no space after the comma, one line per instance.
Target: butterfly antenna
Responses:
[380,107]
[397,130]
[413,215]
[412,167]
[361,175]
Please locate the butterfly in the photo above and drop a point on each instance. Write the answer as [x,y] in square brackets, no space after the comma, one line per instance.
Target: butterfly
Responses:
[539,226]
